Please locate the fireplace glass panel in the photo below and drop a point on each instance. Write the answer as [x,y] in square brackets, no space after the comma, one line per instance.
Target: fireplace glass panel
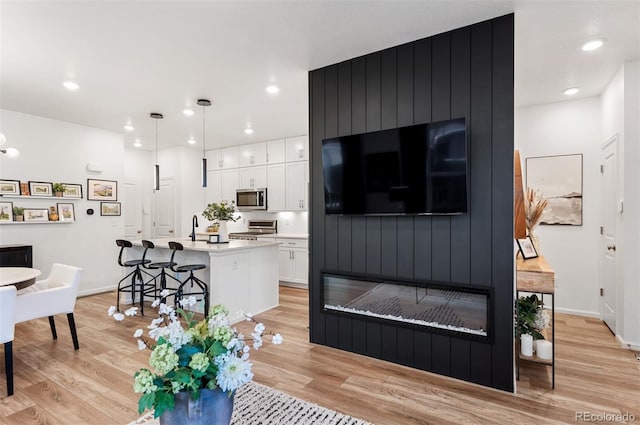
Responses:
[450,309]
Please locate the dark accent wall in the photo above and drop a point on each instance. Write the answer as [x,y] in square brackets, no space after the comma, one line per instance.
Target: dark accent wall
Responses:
[467,73]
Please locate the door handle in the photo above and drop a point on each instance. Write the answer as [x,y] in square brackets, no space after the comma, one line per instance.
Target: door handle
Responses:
[611,247]
[139,231]
[171,231]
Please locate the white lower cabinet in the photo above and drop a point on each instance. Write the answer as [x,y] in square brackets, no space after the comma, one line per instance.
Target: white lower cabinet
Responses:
[294,260]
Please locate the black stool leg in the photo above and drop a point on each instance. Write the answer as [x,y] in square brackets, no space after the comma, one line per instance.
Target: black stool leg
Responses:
[8,365]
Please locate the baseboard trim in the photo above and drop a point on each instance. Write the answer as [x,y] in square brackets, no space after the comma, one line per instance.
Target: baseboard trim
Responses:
[584,313]
[635,346]
[96,291]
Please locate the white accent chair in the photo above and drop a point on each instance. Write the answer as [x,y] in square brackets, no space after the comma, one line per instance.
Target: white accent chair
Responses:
[7,308]
[54,295]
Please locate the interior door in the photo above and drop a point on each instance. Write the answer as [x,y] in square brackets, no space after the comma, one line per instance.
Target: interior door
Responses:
[610,214]
[165,210]
[132,210]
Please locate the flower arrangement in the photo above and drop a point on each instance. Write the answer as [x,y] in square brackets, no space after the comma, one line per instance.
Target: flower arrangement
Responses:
[205,354]
[534,205]
[532,318]
[223,211]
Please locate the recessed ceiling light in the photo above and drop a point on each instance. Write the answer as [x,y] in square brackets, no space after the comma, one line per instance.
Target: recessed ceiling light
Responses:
[129,127]
[70,85]
[248,130]
[592,44]
[272,89]
[571,91]
[188,112]
[191,141]
[137,143]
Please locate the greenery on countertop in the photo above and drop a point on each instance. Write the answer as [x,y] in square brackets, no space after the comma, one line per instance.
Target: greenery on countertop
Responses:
[224,211]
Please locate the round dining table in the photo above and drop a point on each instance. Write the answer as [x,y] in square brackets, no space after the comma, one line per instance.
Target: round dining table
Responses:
[20,277]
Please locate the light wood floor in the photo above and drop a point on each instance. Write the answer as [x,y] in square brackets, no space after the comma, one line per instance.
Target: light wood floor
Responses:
[55,385]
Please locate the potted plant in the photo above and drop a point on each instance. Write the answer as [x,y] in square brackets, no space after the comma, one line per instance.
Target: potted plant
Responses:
[58,189]
[18,213]
[196,366]
[532,320]
[221,213]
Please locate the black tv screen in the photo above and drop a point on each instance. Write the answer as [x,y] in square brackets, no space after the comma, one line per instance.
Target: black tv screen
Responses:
[420,169]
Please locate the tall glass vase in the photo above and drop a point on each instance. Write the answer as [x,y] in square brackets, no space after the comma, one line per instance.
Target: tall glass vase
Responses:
[214,407]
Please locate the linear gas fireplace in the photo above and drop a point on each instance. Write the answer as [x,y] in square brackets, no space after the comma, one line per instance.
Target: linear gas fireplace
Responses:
[443,308]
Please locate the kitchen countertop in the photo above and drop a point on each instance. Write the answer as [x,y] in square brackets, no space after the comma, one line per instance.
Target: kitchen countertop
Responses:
[233,245]
[286,236]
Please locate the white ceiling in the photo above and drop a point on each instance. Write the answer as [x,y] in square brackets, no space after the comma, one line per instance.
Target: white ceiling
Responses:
[131,58]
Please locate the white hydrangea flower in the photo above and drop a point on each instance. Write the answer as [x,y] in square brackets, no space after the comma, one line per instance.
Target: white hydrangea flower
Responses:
[188,302]
[141,345]
[277,339]
[138,333]
[111,310]
[131,311]
[118,316]
[259,328]
[164,293]
[155,303]
[165,309]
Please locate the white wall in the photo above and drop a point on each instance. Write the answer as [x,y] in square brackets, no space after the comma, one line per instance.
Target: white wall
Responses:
[56,151]
[620,115]
[569,127]
[138,167]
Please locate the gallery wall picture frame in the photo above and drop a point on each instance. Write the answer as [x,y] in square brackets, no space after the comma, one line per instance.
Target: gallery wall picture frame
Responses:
[559,179]
[110,208]
[102,190]
[24,189]
[36,214]
[9,187]
[527,249]
[40,188]
[66,212]
[6,211]
[72,190]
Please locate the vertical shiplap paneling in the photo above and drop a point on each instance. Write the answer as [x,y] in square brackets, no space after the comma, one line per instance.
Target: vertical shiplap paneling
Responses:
[344,128]
[389,342]
[422,81]
[359,336]
[460,224]
[331,221]
[316,215]
[479,194]
[502,189]
[358,125]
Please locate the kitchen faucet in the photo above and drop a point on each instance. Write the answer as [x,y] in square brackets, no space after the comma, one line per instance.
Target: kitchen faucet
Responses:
[194,224]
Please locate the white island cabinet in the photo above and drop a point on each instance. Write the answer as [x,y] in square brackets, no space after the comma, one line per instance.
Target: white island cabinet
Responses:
[242,275]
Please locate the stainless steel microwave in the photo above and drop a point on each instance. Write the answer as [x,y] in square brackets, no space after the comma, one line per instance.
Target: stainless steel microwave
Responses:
[251,199]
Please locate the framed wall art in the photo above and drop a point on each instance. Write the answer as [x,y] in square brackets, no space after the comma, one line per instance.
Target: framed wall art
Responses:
[40,188]
[110,208]
[559,180]
[9,187]
[102,190]
[66,212]
[72,191]
[36,214]
[6,211]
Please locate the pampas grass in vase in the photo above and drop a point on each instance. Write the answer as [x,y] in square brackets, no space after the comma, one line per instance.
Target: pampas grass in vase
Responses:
[534,205]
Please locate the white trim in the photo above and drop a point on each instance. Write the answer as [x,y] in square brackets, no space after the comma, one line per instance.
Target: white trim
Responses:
[96,291]
[628,344]
[585,313]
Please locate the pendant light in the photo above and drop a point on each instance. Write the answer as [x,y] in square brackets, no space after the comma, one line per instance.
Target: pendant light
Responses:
[204,103]
[156,169]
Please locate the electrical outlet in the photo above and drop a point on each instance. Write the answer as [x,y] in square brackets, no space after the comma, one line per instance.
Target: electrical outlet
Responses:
[287,223]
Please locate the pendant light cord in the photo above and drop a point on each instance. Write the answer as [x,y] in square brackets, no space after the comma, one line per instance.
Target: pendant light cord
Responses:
[204,136]
[156,141]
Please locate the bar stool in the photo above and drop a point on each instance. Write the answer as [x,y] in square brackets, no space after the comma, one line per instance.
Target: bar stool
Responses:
[138,284]
[204,288]
[160,265]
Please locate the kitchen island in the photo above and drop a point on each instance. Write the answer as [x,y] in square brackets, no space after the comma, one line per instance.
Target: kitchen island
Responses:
[242,275]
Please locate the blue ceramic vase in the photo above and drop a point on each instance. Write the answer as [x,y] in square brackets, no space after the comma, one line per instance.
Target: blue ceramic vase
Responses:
[214,407]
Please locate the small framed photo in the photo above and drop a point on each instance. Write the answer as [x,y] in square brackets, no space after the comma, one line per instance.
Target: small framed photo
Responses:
[6,211]
[72,191]
[110,208]
[66,212]
[526,248]
[214,239]
[36,214]
[9,187]
[102,190]
[40,189]
[24,189]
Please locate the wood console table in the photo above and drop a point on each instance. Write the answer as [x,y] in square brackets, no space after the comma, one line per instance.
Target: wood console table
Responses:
[536,276]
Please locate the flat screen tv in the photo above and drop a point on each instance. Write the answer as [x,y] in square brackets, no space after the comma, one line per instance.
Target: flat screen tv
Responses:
[420,169]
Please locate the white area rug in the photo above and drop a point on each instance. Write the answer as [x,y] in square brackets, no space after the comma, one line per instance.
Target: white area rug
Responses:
[256,404]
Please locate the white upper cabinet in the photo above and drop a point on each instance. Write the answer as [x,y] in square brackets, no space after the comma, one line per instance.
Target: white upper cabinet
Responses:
[297,176]
[276,187]
[297,148]
[220,159]
[254,154]
[214,186]
[253,177]
[276,151]
[230,183]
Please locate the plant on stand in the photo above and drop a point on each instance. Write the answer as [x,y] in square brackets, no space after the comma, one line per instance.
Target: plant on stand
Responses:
[221,213]
[531,322]
[196,366]
[18,213]
[534,205]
